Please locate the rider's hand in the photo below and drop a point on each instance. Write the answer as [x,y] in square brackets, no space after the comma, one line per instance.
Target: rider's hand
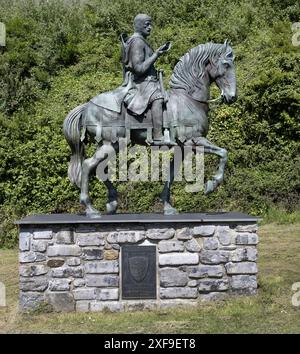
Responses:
[163,49]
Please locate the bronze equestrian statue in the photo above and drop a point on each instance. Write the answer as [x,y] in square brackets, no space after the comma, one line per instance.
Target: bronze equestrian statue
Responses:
[140,110]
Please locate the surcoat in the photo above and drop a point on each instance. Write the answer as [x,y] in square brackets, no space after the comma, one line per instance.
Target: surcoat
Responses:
[146,86]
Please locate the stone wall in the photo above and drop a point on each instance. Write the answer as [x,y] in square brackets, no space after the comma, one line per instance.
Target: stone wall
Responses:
[77,268]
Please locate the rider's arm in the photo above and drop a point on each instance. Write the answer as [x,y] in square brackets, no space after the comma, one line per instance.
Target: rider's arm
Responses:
[139,65]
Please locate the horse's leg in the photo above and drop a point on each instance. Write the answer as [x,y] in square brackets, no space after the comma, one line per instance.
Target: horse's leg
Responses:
[210,148]
[165,194]
[112,204]
[88,166]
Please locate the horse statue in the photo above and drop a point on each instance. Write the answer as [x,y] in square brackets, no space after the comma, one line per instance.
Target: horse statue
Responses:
[185,115]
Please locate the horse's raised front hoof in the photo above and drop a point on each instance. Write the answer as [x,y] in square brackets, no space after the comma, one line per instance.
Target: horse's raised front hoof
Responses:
[169,210]
[209,187]
[111,207]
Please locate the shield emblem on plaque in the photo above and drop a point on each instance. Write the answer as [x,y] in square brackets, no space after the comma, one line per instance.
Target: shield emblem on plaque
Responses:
[138,267]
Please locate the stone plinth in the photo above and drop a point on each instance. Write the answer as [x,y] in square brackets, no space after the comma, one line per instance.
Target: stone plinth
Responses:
[74,263]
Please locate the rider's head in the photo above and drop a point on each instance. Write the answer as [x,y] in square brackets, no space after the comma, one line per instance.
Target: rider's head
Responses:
[143,24]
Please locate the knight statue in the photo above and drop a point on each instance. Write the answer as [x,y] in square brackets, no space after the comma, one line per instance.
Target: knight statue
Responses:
[147,91]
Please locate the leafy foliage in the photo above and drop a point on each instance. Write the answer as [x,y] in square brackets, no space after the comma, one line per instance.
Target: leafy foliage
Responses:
[59,54]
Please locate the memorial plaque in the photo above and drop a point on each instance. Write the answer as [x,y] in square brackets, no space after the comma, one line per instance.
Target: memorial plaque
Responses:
[139,272]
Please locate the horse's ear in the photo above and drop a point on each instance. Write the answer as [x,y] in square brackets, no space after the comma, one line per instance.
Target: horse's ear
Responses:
[226,43]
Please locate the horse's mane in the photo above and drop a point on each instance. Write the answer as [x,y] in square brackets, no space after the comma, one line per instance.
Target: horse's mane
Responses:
[190,67]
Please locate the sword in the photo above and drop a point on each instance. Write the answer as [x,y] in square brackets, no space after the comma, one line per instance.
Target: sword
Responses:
[162,89]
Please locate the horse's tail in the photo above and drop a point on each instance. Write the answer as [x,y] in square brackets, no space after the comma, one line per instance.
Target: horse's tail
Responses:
[71,129]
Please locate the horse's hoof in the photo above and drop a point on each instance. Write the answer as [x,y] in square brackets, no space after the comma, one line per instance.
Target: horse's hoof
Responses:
[93,213]
[169,210]
[111,207]
[209,187]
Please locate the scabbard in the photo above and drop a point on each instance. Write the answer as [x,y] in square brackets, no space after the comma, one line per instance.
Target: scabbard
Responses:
[162,89]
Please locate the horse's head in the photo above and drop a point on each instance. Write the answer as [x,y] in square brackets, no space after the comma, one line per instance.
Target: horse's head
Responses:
[201,66]
[222,72]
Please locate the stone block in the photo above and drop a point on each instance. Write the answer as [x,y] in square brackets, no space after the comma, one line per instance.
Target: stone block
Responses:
[247,228]
[173,277]
[102,280]
[178,293]
[140,305]
[30,257]
[61,301]
[184,234]
[82,306]
[226,255]
[244,254]
[78,283]
[204,230]
[126,236]
[241,268]
[193,245]
[213,296]
[91,239]
[65,237]
[172,259]
[85,294]
[160,234]
[246,238]
[59,284]
[55,263]
[107,294]
[246,291]
[225,235]
[212,285]
[24,241]
[73,262]
[204,271]
[32,270]
[39,245]
[111,255]
[210,243]
[63,251]
[102,267]
[90,254]
[212,257]
[111,306]
[29,301]
[75,272]
[193,283]
[243,282]
[43,234]
[33,283]
[170,246]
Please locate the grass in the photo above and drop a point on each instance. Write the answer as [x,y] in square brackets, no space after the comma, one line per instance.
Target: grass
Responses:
[271,311]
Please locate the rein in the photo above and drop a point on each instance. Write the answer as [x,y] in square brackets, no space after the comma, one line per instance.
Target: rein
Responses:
[214,100]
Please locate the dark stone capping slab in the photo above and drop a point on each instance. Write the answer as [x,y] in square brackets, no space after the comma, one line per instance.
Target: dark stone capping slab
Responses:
[205,218]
